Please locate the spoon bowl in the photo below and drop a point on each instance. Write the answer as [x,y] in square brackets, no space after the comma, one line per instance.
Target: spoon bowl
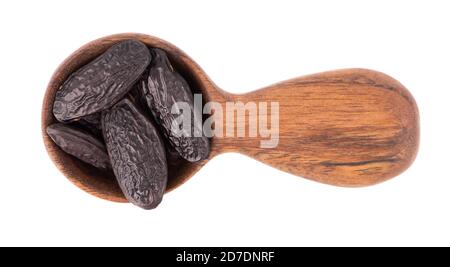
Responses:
[352,127]
[86,177]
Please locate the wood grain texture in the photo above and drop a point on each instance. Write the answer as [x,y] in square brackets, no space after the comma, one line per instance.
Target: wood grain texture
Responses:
[351,127]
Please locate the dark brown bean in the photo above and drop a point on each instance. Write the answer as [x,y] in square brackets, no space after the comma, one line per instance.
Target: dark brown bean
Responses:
[137,154]
[80,144]
[161,88]
[102,82]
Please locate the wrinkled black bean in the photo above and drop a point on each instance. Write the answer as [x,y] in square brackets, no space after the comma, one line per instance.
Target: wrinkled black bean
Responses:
[137,154]
[161,88]
[102,82]
[80,144]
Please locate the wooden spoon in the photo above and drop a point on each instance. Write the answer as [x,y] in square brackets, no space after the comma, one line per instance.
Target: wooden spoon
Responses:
[351,127]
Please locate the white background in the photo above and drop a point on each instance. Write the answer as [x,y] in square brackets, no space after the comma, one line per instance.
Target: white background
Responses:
[233,200]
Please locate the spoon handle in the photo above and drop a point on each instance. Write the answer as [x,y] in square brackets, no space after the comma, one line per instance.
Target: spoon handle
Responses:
[351,127]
